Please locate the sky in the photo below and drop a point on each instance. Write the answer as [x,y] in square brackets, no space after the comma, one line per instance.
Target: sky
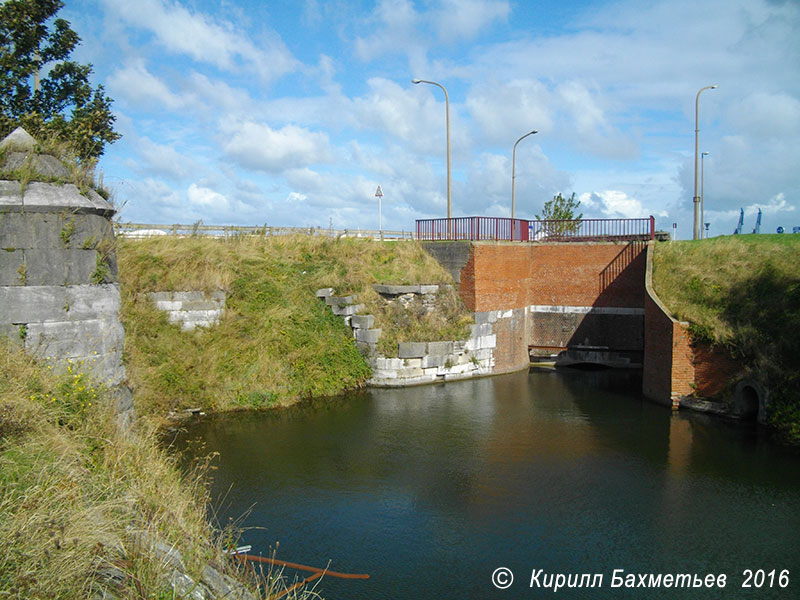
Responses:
[292,112]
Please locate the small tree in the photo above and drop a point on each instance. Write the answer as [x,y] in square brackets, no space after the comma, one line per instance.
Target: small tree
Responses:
[31,45]
[561,209]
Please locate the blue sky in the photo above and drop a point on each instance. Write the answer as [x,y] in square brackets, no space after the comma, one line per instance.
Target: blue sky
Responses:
[293,112]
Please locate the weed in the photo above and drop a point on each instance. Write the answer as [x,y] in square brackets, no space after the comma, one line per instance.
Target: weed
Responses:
[67,231]
[23,274]
[23,332]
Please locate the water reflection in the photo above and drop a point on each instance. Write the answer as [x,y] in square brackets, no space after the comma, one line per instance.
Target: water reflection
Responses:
[570,473]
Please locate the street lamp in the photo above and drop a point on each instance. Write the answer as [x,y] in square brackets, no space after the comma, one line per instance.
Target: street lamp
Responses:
[696,232]
[447,116]
[702,189]
[514,167]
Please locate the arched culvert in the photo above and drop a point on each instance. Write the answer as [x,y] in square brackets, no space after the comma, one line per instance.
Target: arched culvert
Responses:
[750,400]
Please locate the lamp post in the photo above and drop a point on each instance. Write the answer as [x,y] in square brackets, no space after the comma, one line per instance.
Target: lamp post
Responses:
[702,189]
[447,117]
[696,231]
[514,167]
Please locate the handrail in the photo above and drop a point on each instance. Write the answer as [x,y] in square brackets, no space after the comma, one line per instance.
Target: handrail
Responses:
[139,230]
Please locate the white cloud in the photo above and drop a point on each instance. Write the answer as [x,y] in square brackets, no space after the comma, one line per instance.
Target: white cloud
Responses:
[765,116]
[206,198]
[463,19]
[205,39]
[615,204]
[134,84]
[258,146]
[504,111]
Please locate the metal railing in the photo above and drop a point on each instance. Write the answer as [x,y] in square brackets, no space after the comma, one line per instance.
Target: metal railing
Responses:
[522,230]
[592,230]
[143,230]
[473,228]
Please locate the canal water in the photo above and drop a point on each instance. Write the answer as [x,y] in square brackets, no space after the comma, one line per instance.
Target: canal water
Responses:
[430,490]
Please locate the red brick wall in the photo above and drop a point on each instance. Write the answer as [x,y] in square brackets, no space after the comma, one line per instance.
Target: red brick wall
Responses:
[713,369]
[503,276]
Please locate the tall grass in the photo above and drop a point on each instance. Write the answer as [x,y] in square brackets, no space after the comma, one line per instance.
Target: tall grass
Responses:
[742,293]
[276,342]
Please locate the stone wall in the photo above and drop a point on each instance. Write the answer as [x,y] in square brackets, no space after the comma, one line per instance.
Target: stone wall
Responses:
[190,309]
[417,363]
[59,296]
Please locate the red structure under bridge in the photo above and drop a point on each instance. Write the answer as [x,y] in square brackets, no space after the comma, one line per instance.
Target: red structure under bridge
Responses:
[524,230]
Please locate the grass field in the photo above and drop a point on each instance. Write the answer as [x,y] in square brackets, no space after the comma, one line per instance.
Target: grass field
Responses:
[276,343]
[743,293]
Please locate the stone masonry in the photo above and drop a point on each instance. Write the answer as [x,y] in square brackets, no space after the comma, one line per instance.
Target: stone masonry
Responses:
[59,296]
[190,309]
[417,362]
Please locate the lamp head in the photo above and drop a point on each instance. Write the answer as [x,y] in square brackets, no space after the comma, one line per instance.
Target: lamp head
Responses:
[715,86]
[416,81]
[705,154]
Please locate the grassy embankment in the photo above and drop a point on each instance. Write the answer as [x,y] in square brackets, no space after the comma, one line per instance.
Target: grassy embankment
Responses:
[276,343]
[742,293]
[72,486]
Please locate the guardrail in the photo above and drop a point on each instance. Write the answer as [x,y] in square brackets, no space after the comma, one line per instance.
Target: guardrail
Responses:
[522,230]
[143,230]
[473,228]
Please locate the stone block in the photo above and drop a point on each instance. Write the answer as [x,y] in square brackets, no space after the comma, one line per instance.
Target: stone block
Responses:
[395,290]
[324,293]
[81,265]
[481,329]
[362,321]
[428,289]
[93,301]
[431,371]
[411,349]
[202,304]
[347,310]
[188,296]
[157,297]
[384,374]
[90,230]
[441,348]
[73,339]
[369,336]
[10,195]
[459,346]
[483,353]
[420,380]
[489,316]
[339,300]
[434,360]
[20,304]
[405,373]
[11,262]
[366,349]
[45,266]
[414,363]
[385,364]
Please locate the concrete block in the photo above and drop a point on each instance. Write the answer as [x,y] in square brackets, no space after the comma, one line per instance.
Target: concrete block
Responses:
[90,230]
[370,336]
[16,230]
[362,321]
[434,360]
[441,348]
[457,376]
[488,341]
[411,349]
[415,363]
[72,339]
[11,262]
[367,349]
[167,305]
[481,329]
[459,346]
[431,371]
[157,297]
[324,293]
[428,289]
[349,310]
[420,380]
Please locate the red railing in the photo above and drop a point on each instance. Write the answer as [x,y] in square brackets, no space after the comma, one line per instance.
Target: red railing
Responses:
[522,230]
[473,228]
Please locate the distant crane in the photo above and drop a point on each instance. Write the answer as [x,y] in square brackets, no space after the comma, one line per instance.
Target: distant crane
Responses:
[757,228]
[741,222]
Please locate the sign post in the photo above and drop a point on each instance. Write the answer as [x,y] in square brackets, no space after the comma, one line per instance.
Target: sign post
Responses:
[379,196]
